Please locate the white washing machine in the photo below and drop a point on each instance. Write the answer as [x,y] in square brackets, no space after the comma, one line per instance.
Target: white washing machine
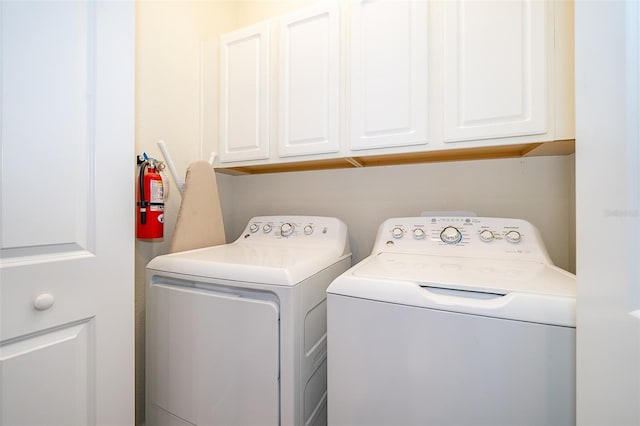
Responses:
[236,334]
[453,321]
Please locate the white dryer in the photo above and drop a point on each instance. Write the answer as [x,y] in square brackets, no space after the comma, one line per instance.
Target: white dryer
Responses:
[453,321]
[236,334]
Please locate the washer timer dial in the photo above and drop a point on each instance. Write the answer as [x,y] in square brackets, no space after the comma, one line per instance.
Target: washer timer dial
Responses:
[450,235]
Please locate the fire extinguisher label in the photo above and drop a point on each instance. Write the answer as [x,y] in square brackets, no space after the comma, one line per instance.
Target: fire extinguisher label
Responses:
[157,192]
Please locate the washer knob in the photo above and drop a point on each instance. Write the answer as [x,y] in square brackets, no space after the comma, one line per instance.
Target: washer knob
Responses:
[267,228]
[486,235]
[254,227]
[418,233]
[450,235]
[286,229]
[308,230]
[397,232]
[513,236]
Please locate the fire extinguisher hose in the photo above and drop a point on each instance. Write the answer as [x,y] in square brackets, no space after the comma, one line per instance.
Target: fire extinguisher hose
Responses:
[142,203]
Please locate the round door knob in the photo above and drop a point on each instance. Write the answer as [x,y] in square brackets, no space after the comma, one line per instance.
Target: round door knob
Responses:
[286,229]
[450,235]
[486,235]
[513,236]
[43,301]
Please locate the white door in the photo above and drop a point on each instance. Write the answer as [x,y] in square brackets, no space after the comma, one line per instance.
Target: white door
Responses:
[308,88]
[494,69]
[244,94]
[388,73]
[66,194]
[608,212]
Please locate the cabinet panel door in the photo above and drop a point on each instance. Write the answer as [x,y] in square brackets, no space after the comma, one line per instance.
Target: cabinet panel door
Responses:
[244,94]
[309,82]
[50,371]
[495,81]
[388,76]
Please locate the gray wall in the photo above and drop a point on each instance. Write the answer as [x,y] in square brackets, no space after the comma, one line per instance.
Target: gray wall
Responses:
[538,189]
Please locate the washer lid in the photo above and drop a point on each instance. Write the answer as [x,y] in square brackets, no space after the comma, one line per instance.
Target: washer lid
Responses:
[519,290]
[473,274]
[264,264]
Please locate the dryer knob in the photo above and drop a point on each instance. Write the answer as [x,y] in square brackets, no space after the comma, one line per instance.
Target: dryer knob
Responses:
[267,228]
[450,235]
[286,229]
[308,230]
[397,232]
[513,236]
[254,227]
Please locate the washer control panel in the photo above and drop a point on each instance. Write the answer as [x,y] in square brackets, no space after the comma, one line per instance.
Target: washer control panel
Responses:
[461,236]
[295,230]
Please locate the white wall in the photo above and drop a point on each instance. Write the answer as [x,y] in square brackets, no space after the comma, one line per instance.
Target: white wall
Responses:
[538,189]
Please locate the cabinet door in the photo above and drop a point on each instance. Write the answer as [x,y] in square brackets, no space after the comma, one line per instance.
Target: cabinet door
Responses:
[244,94]
[66,225]
[388,77]
[495,81]
[308,69]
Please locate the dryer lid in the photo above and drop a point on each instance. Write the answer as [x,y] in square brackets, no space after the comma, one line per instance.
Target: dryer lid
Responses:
[264,264]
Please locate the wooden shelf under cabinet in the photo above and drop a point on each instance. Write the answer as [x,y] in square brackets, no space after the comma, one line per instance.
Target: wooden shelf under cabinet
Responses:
[564,147]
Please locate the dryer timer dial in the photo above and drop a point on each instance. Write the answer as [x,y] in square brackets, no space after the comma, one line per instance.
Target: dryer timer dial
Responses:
[286,229]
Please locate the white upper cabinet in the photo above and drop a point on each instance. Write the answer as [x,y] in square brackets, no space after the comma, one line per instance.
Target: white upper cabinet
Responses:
[308,81]
[397,77]
[388,74]
[495,69]
[244,94]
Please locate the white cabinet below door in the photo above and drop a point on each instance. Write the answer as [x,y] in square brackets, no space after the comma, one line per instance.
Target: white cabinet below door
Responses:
[308,76]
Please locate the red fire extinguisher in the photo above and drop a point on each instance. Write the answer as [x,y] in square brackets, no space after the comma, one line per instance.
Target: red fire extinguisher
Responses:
[150,199]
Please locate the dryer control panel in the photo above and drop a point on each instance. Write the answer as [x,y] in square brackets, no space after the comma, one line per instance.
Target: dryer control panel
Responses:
[296,230]
[462,236]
